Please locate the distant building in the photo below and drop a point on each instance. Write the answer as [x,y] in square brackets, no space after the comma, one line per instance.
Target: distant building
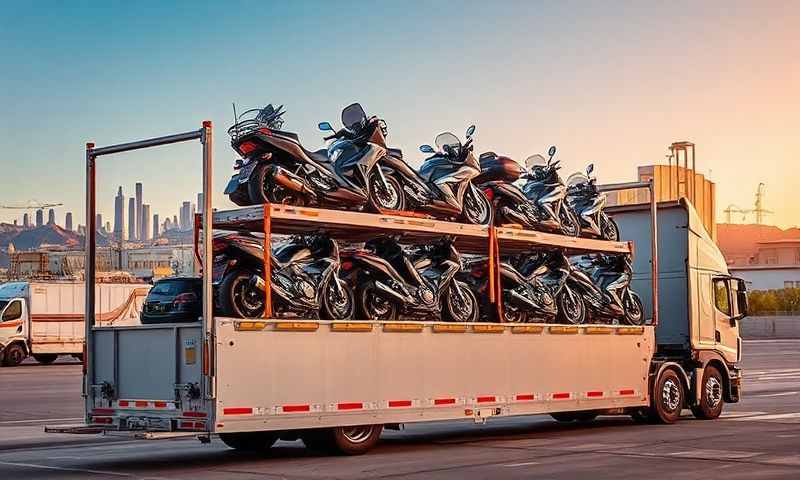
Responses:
[51,217]
[145,233]
[132,219]
[139,216]
[186,211]
[26,221]
[155,226]
[765,256]
[175,221]
[200,203]
[68,222]
[98,221]
[191,216]
[158,261]
[39,217]
[167,224]
[119,216]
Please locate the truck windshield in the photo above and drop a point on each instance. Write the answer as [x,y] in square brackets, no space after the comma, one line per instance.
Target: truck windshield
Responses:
[3,304]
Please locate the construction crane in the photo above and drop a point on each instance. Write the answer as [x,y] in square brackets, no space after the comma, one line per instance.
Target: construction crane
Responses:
[759,210]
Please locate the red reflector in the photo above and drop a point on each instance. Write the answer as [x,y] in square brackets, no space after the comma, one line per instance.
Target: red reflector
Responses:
[160,404]
[123,403]
[191,425]
[525,396]
[444,401]
[350,406]
[103,411]
[140,403]
[237,411]
[102,420]
[486,399]
[399,403]
[247,147]
[489,193]
[560,395]
[346,266]
[594,394]
[628,391]
[296,408]
[195,414]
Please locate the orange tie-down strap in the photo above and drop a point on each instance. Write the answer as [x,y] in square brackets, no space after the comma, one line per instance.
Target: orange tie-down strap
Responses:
[267,260]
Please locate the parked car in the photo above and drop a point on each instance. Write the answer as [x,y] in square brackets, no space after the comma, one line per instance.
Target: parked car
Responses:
[177,299]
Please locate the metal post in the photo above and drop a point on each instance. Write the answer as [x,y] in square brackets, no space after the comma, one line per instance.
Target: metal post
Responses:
[88,279]
[654,248]
[267,261]
[208,264]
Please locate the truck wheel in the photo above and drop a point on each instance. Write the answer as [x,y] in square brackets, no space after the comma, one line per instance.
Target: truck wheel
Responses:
[355,440]
[14,355]
[711,398]
[667,399]
[45,358]
[249,441]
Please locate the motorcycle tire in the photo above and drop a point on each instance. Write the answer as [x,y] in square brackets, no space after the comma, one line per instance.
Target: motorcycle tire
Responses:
[571,308]
[230,297]
[483,212]
[570,225]
[471,311]
[633,304]
[367,294]
[347,308]
[260,193]
[609,228]
[382,199]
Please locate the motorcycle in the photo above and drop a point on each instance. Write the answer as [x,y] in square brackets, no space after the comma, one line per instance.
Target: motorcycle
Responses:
[497,177]
[276,168]
[588,203]
[559,275]
[394,281]
[444,185]
[606,288]
[525,296]
[304,274]
[546,191]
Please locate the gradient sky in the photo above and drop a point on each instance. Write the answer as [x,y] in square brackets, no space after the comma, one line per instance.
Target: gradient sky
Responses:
[612,83]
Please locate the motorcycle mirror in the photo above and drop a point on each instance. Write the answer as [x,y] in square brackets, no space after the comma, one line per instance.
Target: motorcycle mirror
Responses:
[552,153]
[426,149]
[325,127]
[589,169]
[470,131]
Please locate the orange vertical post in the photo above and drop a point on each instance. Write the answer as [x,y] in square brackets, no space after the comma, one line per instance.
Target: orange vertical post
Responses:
[267,261]
[492,278]
[498,294]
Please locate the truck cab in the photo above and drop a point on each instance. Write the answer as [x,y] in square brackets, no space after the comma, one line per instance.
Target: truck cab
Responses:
[700,303]
[14,322]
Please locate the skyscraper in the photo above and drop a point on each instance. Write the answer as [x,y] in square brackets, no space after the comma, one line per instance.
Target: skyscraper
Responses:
[167,224]
[186,209]
[145,223]
[139,216]
[98,221]
[119,216]
[132,219]
[39,217]
[175,221]
[26,221]
[68,221]
[155,226]
[51,217]
[107,227]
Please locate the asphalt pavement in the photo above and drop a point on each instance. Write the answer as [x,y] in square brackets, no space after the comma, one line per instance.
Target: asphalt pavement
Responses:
[756,438]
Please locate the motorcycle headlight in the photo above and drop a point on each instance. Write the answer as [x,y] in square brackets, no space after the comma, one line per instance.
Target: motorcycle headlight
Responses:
[336,154]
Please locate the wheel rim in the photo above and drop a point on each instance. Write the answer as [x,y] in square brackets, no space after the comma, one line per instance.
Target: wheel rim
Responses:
[671,395]
[387,196]
[357,434]
[16,356]
[281,195]
[339,301]
[512,314]
[609,231]
[568,224]
[713,392]
[248,300]
[377,307]
[572,310]
[633,311]
[476,209]
[460,305]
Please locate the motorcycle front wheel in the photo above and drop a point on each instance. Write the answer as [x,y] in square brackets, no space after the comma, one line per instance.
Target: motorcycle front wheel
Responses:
[476,208]
[384,197]
[571,308]
[570,225]
[238,298]
[373,305]
[337,303]
[460,308]
[634,310]
[608,228]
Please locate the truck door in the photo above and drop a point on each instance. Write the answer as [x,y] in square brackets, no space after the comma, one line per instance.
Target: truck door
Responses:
[13,324]
[726,328]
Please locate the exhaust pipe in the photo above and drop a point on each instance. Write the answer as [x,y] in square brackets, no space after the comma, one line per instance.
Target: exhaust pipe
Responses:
[385,289]
[258,282]
[289,180]
[523,299]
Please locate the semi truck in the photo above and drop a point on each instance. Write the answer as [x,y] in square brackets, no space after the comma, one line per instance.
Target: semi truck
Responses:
[44,319]
[337,385]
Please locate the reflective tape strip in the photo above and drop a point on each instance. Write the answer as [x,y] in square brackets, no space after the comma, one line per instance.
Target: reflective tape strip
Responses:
[561,396]
[194,414]
[626,392]
[486,399]
[594,394]
[237,411]
[295,408]
[149,404]
[350,406]
[444,401]
[525,397]
[399,403]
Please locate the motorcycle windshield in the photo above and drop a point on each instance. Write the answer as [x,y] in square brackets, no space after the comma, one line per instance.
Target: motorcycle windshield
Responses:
[577,179]
[449,140]
[353,117]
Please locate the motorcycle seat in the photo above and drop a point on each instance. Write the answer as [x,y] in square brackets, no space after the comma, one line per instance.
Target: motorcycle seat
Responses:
[319,156]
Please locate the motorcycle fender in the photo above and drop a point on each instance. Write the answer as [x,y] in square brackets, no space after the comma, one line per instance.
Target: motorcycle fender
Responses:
[233,184]
[246,171]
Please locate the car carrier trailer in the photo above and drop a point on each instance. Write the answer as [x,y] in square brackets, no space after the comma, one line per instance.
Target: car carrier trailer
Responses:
[336,385]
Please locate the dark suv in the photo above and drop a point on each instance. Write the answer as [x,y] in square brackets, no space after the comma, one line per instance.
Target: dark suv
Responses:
[171,300]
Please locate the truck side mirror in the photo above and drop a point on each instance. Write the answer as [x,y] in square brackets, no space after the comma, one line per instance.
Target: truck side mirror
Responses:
[742,303]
